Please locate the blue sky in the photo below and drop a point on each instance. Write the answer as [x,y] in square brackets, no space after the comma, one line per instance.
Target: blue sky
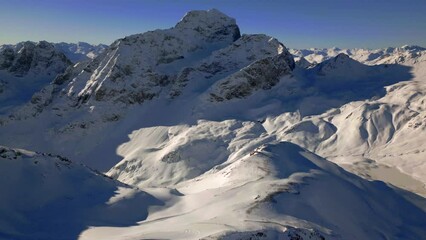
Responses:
[297,23]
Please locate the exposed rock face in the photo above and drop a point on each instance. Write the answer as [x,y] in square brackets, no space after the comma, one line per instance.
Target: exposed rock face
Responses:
[33,58]
[224,62]
[204,47]
[137,68]
[262,74]
[303,63]
[214,26]
[26,68]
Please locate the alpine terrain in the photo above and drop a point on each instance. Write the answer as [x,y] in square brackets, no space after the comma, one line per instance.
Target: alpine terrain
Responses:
[201,132]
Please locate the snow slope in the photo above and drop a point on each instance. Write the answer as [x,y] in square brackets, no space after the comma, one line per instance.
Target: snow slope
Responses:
[48,197]
[255,187]
[387,130]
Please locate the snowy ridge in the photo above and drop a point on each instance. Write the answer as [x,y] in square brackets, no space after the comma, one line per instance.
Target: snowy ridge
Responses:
[81,51]
[227,61]
[26,68]
[33,59]
[388,130]
[155,56]
[405,54]
[164,63]
[49,197]
[262,185]
[385,132]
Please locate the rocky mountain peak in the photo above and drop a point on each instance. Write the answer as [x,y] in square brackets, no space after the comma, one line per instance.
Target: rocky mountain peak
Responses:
[338,65]
[211,23]
[203,54]
[341,57]
[413,48]
[303,63]
[35,58]
[80,51]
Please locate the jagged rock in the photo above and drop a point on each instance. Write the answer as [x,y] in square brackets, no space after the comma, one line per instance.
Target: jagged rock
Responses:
[137,68]
[212,24]
[226,61]
[262,74]
[303,63]
[33,58]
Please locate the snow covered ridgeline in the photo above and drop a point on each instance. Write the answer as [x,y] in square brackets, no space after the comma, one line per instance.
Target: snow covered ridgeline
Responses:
[81,51]
[384,132]
[75,52]
[147,67]
[391,55]
[265,191]
[26,68]
[48,197]
[197,51]
[255,187]
[32,59]
[139,67]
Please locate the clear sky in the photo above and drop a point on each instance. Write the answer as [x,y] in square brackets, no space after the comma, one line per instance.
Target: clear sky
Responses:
[297,23]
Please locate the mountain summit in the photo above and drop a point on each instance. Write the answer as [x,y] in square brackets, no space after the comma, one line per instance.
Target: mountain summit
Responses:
[203,54]
[212,24]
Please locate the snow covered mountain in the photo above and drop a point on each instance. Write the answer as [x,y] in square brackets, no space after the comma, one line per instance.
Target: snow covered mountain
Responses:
[214,126]
[33,59]
[236,183]
[25,69]
[81,51]
[382,132]
[375,136]
[399,55]
[191,66]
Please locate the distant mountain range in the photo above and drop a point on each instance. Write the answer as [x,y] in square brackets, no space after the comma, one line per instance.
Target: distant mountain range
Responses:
[367,56]
[81,51]
[75,52]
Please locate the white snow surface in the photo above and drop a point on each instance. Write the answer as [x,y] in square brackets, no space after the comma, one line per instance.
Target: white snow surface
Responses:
[48,197]
[81,51]
[389,55]
[259,187]
[229,137]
